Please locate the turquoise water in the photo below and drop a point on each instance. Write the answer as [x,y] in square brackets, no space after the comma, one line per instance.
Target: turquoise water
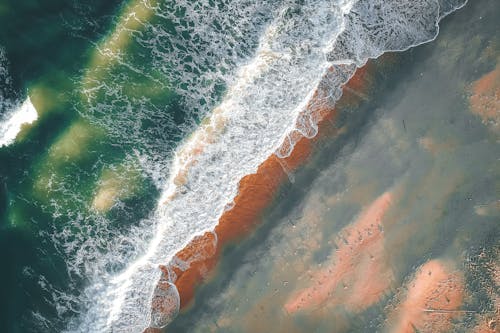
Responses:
[142,102]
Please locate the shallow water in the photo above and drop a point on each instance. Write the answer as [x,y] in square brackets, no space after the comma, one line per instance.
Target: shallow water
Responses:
[402,190]
[143,102]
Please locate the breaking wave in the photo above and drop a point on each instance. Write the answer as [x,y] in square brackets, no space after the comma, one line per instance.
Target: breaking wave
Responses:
[12,122]
[255,74]
[13,115]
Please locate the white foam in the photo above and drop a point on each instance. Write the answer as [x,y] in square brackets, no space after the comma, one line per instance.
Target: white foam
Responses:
[12,122]
[268,98]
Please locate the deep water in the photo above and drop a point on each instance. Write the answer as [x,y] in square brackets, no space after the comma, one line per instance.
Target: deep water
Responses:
[46,43]
[119,86]
[113,102]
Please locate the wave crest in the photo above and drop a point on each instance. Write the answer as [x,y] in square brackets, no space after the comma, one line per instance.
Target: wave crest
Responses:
[306,51]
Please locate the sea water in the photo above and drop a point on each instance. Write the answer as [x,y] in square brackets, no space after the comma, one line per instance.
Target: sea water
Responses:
[164,114]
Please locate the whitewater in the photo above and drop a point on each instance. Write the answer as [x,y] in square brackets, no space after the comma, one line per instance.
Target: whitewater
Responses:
[12,122]
[13,115]
[306,51]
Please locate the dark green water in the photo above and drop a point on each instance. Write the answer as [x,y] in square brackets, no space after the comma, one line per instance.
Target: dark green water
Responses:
[118,84]
[46,43]
[113,102]
[48,178]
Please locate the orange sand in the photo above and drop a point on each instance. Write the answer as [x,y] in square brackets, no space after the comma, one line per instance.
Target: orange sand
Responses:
[485,99]
[256,192]
[432,300]
[359,276]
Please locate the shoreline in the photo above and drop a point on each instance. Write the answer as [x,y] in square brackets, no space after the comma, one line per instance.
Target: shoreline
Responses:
[255,193]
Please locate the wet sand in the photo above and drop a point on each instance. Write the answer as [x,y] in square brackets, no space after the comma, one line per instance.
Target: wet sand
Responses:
[485,98]
[358,276]
[381,230]
[433,299]
[256,192]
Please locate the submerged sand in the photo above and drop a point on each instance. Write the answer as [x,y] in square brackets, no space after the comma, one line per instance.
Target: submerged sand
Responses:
[387,234]
[256,192]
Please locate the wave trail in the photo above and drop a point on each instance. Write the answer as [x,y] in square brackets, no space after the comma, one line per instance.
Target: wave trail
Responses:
[304,56]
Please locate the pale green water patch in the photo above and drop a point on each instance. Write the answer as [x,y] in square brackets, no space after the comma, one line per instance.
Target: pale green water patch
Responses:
[117,183]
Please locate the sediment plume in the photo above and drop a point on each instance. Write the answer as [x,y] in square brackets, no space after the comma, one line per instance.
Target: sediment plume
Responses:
[359,275]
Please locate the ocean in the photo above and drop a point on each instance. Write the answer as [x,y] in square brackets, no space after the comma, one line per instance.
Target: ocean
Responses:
[127,127]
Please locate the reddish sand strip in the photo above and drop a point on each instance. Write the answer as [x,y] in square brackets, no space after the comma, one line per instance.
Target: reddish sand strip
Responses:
[359,275]
[193,264]
[256,192]
[432,300]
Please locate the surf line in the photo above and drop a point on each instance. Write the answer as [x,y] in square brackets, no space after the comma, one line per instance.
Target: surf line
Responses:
[263,106]
[255,193]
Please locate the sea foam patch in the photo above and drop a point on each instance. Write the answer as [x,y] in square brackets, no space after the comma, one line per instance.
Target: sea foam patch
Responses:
[268,91]
[11,123]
